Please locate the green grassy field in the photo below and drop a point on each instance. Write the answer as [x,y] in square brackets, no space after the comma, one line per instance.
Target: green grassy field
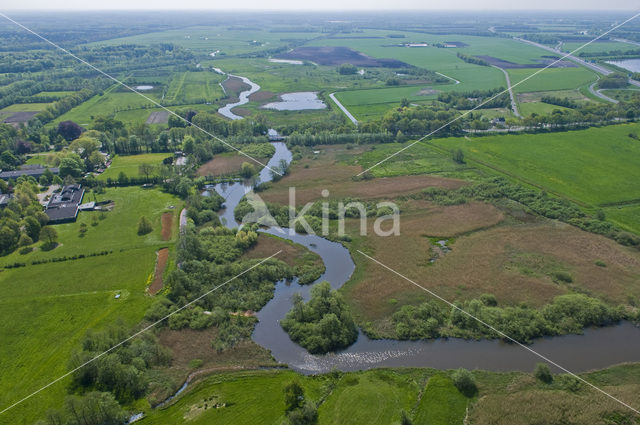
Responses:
[207,39]
[25,107]
[441,403]
[47,308]
[540,108]
[594,166]
[129,164]
[550,79]
[627,217]
[188,87]
[250,397]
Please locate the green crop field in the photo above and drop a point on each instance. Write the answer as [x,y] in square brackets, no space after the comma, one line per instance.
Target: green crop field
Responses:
[25,107]
[130,164]
[187,87]
[558,162]
[47,308]
[550,79]
[207,39]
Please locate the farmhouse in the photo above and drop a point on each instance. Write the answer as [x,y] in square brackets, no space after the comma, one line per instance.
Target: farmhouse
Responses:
[63,207]
[35,171]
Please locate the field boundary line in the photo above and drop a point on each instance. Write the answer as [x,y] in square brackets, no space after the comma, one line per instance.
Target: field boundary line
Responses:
[138,93]
[499,94]
[146,328]
[499,332]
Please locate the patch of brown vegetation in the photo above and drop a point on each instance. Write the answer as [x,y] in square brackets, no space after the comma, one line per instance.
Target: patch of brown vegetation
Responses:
[512,261]
[268,245]
[533,404]
[292,254]
[234,85]
[161,265]
[225,165]
[261,96]
[325,171]
[187,345]
[167,223]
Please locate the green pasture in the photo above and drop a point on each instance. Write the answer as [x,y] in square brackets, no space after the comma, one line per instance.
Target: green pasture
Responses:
[594,166]
[130,164]
[46,308]
[25,107]
[441,403]
[550,79]
[627,217]
[208,39]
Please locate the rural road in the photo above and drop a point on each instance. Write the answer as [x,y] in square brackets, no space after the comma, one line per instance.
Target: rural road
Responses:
[341,106]
[446,76]
[599,93]
[514,105]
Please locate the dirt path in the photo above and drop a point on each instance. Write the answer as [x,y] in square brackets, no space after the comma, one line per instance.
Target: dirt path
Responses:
[161,265]
[343,109]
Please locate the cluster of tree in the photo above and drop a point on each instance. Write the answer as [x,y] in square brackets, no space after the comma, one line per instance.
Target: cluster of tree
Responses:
[298,409]
[542,38]
[538,202]
[22,221]
[559,101]
[323,324]
[617,53]
[347,69]
[125,371]
[63,105]
[471,99]
[473,60]
[569,313]
[613,81]
[93,408]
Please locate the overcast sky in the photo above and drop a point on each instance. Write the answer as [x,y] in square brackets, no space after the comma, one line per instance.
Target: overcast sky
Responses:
[35,5]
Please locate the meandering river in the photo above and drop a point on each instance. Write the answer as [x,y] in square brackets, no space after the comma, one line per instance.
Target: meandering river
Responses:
[596,348]
[243,96]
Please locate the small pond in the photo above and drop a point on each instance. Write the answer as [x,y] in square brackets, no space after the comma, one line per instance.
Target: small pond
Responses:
[297,102]
[632,65]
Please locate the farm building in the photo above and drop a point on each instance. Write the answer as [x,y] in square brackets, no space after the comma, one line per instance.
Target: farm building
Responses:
[35,171]
[4,200]
[63,207]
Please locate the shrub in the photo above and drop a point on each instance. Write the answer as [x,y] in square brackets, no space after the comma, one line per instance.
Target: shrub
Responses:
[562,277]
[293,396]
[144,226]
[543,373]
[601,263]
[464,382]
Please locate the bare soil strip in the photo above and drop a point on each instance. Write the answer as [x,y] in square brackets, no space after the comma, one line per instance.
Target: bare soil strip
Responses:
[158,117]
[167,224]
[161,265]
